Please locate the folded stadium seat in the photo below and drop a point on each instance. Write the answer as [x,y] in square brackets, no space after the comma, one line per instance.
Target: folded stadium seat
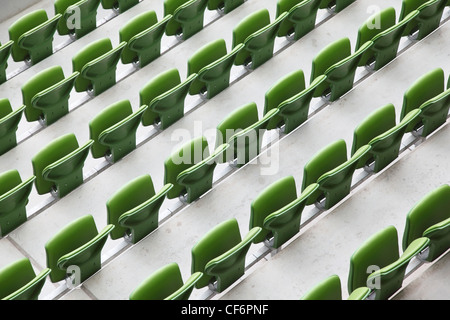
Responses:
[166,283]
[5,53]
[332,171]
[338,64]
[428,20]
[380,131]
[165,97]
[18,281]
[335,5]
[243,131]
[134,208]
[428,94]
[191,169]
[33,36]
[78,245]
[13,200]
[258,35]
[385,33]
[9,122]
[46,95]
[58,167]
[430,218]
[290,95]
[187,17]
[143,36]
[277,210]
[220,255]
[301,18]
[225,6]
[97,64]
[78,17]
[119,5]
[113,131]
[330,289]
[377,264]
[212,64]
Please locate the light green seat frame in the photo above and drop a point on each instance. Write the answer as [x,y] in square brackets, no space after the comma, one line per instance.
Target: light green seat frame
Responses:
[166,283]
[381,250]
[77,244]
[187,17]
[97,64]
[70,10]
[212,64]
[119,5]
[46,95]
[5,53]
[258,35]
[143,36]
[430,218]
[58,167]
[18,281]
[338,5]
[330,289]
[301,18]
[33,36]
[14,195]
[220,255]
[225,6]
[9,122]
[134,208]
[165,97]
[113,131]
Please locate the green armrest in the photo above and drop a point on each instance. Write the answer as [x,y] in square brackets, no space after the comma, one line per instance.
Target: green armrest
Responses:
[187,17]
[14,195]
[97,64]
[33,35]
[79,17]
[212,64]
[119,5]
[77,244]
[18,281]
[9,122]
[143,35]
[166,283]
[435,112]
[226,6]
[301,18]
[338,5]
[439,239]
[5,53]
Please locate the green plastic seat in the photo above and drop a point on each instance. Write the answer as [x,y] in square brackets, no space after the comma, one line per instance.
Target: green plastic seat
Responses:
[225,6]
[166,283]
[220,255]
[46,95]
[339,65]
[430,218]
[165,97]
[78,17]
[187,17]
[32,35]
[258,35]
[134,208]
[378,265]
[18,281]
[380,131]
[58,167]
[428,94]
[243,131]
[332,171]
[9,122]
[190,169]
[385,37]
[428,19]
[5,53]
[277,210]
[212,64]
[14,195]
[77,244]
[335,5]
[97,64]
[119,5]
[301,18]
[113,131]
[330,289]
[143,36]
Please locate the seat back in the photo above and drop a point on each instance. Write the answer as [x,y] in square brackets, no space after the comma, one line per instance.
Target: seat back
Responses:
[301,18]
[9,122]
[327,289]
[83,10]
[5,53]
[187,16]
[429,18]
